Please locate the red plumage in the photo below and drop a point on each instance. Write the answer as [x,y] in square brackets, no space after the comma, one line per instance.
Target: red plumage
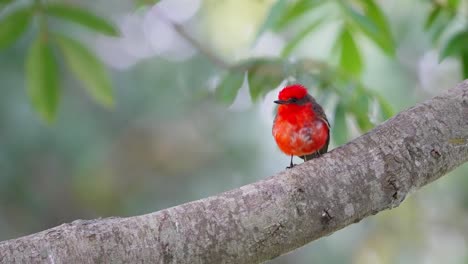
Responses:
[301,127]
[294,90]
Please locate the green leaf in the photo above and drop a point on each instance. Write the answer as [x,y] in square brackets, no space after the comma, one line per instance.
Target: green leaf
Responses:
[87,68]
[141,3]
[380,36]
[374,12]
[227,90]
[385,108]
[438,28]
[293,43]
[340,128]
[350,58]
[264,75]
[295,11]
[433,15]
[273,16]
[455,46]
[3,3]
[360,108]
[464,60]
[439,23]
[82,17]
[13,25]
[453,4]
[42,79]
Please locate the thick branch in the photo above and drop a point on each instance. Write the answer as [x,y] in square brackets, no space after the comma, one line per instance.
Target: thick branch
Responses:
[273,216]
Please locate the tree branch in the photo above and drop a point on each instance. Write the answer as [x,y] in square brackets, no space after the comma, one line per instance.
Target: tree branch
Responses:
[278,214]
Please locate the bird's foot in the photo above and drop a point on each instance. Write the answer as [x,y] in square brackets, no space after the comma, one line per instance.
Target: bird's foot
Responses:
[291,164]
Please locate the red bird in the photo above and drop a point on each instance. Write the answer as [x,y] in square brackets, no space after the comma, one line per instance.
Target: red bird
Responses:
[301,127]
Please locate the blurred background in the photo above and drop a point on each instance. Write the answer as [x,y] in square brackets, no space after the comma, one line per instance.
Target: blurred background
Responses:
[121,108]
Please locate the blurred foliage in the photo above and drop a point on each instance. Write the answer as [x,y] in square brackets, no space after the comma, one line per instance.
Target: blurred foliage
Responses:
[362,17]
[179,129]
[342,77]
[441,16]
[41,70]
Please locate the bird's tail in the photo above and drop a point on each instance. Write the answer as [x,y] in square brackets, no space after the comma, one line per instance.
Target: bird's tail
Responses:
[311,156]
[317,154]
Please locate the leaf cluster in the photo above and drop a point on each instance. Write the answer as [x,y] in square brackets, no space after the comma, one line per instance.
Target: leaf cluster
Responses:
[49,46]
[441,16]
[358,19]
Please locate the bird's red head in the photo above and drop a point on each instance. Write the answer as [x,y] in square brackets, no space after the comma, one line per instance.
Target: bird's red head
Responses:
[292,91]
[292,94]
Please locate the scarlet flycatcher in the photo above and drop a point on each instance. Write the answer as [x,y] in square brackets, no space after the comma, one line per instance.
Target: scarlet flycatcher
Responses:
[301,127]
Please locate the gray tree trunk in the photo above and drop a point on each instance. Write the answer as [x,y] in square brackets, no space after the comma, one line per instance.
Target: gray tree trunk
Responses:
[265,219]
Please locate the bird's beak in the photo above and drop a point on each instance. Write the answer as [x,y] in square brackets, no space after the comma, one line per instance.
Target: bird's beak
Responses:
[281,102]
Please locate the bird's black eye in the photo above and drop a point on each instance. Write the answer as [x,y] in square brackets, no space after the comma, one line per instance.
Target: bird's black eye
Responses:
[293,100]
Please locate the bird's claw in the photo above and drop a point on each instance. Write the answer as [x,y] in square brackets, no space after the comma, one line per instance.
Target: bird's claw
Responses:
[290,166]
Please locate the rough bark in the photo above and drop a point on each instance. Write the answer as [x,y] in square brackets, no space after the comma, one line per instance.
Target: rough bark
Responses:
[265,219]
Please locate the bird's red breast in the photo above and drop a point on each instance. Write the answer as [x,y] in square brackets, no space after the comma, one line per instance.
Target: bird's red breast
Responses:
[298,129]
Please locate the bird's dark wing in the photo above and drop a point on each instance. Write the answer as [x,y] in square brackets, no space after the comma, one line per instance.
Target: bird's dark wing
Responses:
[321,115]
